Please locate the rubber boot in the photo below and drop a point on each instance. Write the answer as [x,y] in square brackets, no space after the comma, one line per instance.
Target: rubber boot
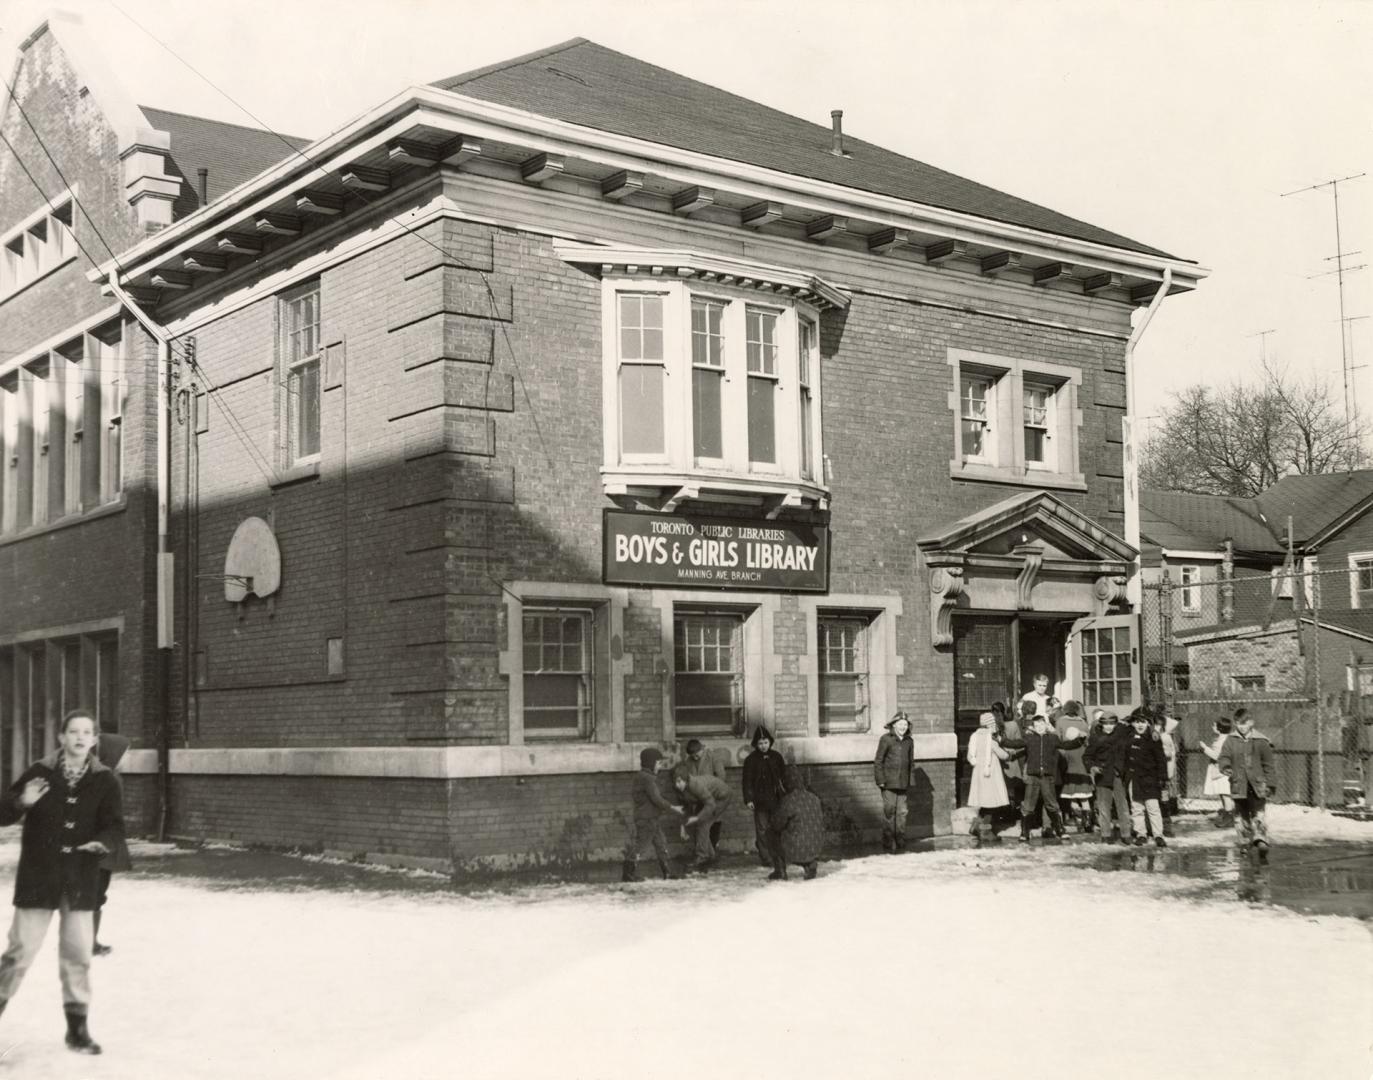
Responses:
[78,1035]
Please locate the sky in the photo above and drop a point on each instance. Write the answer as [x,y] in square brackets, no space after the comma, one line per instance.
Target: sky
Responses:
[1178,124]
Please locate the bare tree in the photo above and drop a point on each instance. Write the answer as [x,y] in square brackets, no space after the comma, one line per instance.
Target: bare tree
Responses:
[1241,438]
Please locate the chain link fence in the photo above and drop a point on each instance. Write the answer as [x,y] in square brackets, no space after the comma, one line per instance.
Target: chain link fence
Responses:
[1216,641]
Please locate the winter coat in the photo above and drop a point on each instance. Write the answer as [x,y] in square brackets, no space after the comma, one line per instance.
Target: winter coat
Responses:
[1249,764]
[111,749]
[711,764]
[1013,742]
[707,793]
[1073,777]
[1106,753]
[1146,767]
[1041,754]
[891,768]
[50,867]
[988,787]
[1216,783]
[800,821]
[646,794]
[763,774]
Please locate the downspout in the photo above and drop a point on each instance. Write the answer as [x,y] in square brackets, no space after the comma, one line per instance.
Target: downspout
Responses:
[1130,433]
[165,558]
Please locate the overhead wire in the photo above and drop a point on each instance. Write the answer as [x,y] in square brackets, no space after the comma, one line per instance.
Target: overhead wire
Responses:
[486,282]
[236,426]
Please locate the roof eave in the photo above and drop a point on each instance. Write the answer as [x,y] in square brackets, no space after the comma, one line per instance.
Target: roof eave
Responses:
[457,114]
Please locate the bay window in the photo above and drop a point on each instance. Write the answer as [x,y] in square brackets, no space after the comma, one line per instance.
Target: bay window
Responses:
[711,384]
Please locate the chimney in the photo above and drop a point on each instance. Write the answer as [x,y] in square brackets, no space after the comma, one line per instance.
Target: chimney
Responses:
[837,122]
[203,183]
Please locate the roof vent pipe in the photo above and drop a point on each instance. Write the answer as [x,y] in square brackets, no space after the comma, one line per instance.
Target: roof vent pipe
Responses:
[837,122]
[203,179]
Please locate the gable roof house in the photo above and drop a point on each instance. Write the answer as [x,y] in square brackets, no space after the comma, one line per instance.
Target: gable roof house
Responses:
[1226,559]
[571,406]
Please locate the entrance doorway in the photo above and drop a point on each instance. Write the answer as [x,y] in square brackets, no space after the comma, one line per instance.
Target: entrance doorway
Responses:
[996,658]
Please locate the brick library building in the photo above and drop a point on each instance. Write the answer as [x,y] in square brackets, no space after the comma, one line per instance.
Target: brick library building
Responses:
[393,490]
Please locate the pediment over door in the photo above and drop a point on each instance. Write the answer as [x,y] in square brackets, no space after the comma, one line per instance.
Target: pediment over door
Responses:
[1029,552]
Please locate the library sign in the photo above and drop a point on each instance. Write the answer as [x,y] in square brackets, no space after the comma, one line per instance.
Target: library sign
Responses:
[707,552]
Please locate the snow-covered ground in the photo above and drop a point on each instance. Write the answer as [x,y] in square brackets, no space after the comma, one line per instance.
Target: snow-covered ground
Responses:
[1005,962]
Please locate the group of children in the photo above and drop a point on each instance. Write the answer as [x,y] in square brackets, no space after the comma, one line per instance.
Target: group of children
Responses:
[1042,760]
[788,819]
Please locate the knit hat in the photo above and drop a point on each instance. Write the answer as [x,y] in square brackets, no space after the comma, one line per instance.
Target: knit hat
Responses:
[900,714]
[649,757]
[760,732]
[987,719]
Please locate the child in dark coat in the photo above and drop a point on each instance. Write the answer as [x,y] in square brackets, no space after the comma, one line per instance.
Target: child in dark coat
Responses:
[1146,776]
[1105,761]
[800,823]
[1246,759]
[1041,779]
[645,826]
[891,770]
[763,772]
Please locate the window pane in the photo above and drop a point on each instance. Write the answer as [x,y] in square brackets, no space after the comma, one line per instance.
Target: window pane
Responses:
[762,342]
[641,409]
[705,413]
[972,438]
[807,435]
[1036,440]
[304,388]
[762,426]
[974,396]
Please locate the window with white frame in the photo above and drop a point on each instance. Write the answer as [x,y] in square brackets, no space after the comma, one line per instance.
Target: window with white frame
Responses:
[1280,581]
[113,380]
[807,356]
[559,676]
[977,406]
[1189,595]
[1038,424]
[39,245]
[708,385]
[1016,420]
[843,668]
[1361,579]
[1249,684]
[61,430]
[707,379]
[708,672]
[301,356]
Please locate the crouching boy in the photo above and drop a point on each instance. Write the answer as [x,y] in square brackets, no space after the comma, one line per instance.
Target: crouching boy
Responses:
[645,826]
[800,824]
[710,797]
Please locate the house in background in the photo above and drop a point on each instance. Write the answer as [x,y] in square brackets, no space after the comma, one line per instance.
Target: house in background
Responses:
[86,174]
[571,406]
[1233,623]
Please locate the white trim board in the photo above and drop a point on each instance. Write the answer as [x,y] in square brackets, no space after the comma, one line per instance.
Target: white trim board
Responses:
[470,762]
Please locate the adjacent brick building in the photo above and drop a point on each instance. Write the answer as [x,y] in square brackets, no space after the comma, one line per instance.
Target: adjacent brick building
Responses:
[536,421]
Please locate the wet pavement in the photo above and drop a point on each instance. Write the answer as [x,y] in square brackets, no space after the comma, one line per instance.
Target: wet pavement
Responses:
[1327,878]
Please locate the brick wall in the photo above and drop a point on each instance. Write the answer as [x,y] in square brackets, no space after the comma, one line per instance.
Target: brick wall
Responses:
[557,823]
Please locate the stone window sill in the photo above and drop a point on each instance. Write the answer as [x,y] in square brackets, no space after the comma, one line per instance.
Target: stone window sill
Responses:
[104,510]
[1031,478]
[296,474]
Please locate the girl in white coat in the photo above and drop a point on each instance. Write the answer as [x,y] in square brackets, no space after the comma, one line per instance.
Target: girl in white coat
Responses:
[988,788]
[1217,783]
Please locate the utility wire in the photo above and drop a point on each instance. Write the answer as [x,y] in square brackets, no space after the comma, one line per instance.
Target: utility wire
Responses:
[258,459]
[490,293]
